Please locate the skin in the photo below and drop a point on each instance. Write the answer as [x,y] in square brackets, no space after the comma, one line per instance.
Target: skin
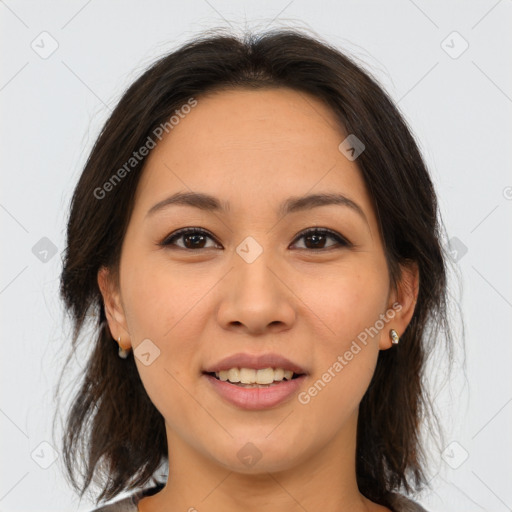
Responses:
[307,302]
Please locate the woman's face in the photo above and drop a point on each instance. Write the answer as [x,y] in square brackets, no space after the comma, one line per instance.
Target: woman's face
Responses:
[253,283]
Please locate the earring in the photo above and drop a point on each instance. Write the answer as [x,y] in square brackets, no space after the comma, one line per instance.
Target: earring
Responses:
[394,337]
[123,354]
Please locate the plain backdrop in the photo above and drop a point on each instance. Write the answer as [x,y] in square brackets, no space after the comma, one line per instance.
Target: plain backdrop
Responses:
[446,65]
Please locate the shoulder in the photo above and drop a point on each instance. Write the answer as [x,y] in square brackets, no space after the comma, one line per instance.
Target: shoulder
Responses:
[129,504]
[400,503]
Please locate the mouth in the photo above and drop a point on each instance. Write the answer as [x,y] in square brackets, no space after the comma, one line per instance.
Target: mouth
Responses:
[255,381]
[252,395]
[245,379]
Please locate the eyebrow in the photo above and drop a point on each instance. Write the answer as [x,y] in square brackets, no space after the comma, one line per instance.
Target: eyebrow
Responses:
[291,205]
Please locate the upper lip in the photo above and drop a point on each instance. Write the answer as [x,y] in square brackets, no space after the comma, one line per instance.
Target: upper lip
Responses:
[255,361]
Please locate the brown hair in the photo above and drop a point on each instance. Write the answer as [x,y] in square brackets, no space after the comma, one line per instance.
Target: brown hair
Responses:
[112,426]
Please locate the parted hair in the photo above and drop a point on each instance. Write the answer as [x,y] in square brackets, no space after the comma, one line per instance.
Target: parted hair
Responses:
[113,435]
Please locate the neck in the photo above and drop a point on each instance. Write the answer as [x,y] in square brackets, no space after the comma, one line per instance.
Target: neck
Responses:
[324,480]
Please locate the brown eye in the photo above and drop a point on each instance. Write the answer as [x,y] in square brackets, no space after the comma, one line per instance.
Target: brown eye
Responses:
[192,239]
[315,239]
[196,239]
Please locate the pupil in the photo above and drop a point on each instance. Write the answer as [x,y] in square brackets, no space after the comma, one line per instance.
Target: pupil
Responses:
[316,239]
[197,239]
[194,244]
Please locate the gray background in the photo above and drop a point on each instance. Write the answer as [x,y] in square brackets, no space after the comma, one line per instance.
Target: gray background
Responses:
[458,102]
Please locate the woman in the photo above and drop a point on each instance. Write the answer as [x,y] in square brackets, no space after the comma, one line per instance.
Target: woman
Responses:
[256,229]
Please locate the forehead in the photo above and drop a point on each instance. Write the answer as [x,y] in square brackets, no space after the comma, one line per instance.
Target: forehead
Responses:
[243,119]
[252,146]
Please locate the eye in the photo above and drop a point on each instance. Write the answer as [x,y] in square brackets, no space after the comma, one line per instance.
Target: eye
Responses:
[316,238]
[196,238]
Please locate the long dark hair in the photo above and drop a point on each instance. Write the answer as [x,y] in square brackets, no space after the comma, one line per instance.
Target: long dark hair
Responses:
[112,426]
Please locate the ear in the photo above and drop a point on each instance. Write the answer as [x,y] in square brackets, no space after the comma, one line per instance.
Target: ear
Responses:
[113,307]
[402,302]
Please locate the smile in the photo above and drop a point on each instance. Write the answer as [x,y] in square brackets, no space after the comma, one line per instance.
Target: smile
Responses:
[248,392]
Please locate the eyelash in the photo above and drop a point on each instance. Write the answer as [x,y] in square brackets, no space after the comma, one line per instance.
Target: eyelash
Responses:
[341,242]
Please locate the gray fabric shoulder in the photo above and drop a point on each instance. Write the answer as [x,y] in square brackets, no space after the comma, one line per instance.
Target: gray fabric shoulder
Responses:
[125,505]
[401,503]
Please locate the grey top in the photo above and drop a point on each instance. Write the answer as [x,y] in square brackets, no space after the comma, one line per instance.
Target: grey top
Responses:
[398,502]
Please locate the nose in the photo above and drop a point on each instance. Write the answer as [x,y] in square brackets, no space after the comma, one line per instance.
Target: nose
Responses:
[255,297]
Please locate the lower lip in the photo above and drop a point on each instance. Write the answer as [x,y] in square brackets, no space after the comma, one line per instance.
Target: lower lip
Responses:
[256,398]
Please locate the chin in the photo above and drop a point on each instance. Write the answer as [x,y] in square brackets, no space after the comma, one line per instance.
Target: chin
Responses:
[257,455]
[261,466]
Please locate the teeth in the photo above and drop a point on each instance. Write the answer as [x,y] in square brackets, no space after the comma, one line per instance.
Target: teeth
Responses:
[279,374]
[251,376]
[233,375]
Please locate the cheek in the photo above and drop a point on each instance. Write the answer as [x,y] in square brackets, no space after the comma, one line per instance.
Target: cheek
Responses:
[159,305]
[158,300]
[346,353]
[168,306]
[350,302]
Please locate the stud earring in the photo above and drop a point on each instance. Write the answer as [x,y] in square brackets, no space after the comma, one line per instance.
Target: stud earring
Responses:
[394,337]
[123,354]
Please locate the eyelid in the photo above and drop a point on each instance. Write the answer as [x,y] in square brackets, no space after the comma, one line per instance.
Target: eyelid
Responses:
[342,241]
[185,231]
